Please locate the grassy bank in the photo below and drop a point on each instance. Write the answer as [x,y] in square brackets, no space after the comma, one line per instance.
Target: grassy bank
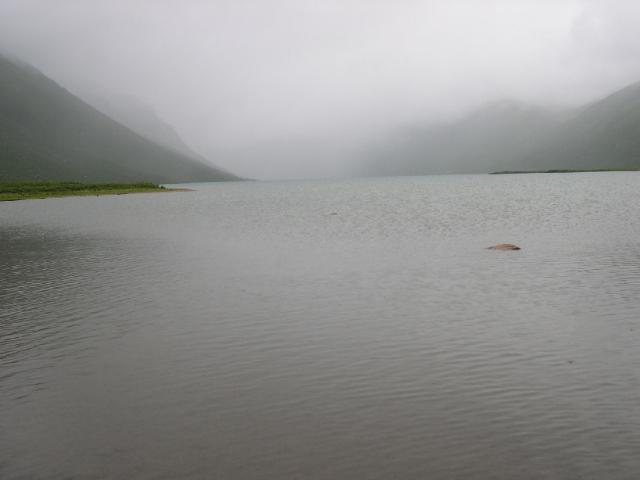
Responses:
[24,191]
[514,172]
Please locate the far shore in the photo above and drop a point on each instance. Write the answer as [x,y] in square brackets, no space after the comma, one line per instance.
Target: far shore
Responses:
[517,172]
[41,190]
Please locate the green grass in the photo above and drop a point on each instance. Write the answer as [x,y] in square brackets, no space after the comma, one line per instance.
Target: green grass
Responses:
[23,191]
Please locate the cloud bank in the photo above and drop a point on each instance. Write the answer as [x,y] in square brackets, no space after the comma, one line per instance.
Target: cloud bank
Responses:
[296,88]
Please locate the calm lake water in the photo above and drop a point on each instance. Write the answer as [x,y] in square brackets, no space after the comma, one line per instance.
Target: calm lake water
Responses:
[325,330]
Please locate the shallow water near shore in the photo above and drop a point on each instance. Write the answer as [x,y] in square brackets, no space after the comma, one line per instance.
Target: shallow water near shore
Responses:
[325,329]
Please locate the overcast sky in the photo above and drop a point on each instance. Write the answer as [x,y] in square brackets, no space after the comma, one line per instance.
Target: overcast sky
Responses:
[294,88]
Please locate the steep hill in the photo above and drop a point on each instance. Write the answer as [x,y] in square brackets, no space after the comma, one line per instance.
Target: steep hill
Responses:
[603,134]
[141,118]
[46,133]
[510,136]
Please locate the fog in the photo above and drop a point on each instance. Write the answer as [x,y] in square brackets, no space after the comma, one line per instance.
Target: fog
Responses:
[298,88]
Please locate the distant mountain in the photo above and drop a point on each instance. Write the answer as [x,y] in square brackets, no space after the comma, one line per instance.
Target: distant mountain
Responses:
[142,119]
[486,140]
[511,136]
[603,134]
[46,133]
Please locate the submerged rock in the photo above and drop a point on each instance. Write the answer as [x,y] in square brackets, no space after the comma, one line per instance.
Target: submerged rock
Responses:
[504,246]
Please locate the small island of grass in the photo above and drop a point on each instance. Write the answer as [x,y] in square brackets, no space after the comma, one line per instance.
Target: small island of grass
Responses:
[33,190]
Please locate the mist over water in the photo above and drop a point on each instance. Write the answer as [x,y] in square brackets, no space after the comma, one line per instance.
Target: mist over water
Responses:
[300,89]
[353,329]
[310,328]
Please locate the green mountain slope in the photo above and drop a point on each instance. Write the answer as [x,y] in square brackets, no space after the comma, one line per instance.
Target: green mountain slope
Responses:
[603,134]
[509,136]
[46,133]
[141,118]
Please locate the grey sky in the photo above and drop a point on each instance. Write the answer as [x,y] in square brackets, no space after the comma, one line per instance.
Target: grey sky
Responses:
[294,88]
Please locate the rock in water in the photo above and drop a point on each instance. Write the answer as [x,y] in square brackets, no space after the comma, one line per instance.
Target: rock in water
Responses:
[504,246]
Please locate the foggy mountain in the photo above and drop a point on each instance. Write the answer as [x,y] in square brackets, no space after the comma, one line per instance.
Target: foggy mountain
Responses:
[507,135]
[486,140]
[603,134]
[299,89]
[141,118]
[46,133]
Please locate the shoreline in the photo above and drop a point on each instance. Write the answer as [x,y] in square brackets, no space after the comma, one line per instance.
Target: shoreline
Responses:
[595,170]
[11,192]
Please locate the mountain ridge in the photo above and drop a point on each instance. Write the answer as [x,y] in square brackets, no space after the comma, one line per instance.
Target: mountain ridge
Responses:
[47,133]
[509,136]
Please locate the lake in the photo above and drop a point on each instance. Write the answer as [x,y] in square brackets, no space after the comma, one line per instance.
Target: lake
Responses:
[354,329]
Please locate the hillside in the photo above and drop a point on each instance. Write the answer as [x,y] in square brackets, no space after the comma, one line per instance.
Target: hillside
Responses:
[141,118]
[487,139]
[603,134]
[46,133]
[510,136]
